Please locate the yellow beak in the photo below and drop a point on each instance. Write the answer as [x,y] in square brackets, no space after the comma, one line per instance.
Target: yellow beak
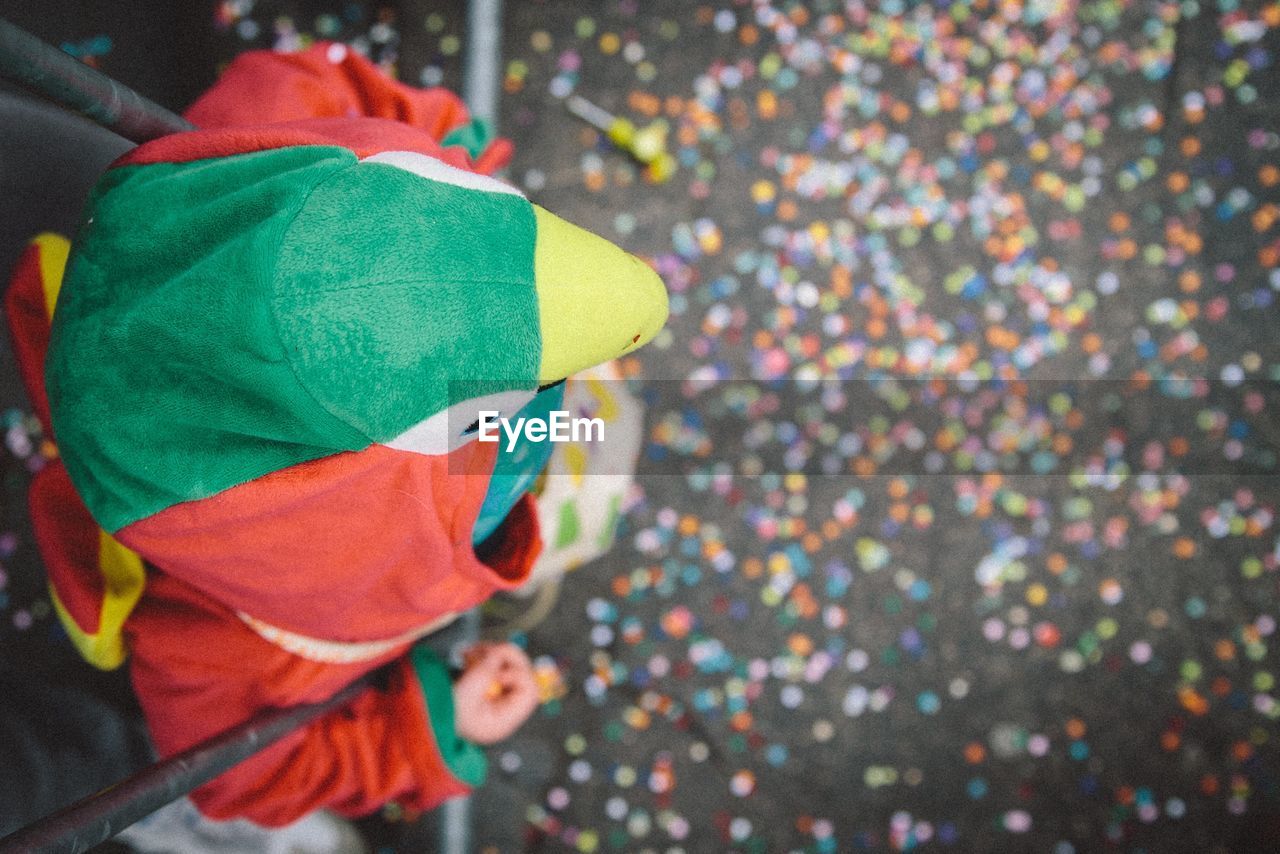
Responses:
[595,301]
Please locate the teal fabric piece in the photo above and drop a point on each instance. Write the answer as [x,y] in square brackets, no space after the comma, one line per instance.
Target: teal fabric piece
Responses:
[466,761]
[474,136]
[515,471]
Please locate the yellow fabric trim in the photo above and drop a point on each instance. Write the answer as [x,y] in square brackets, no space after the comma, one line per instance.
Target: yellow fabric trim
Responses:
[53,252]
[123,574]
[123,577]
[595,301]
[104,653]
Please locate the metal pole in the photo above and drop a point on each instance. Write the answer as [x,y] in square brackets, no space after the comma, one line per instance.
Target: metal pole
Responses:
[98,817]
[484,52]
[53,75]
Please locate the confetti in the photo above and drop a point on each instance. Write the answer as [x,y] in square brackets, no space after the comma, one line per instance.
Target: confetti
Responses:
[932,253]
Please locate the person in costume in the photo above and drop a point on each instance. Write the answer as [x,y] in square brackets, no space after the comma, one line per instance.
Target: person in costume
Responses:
[267,358]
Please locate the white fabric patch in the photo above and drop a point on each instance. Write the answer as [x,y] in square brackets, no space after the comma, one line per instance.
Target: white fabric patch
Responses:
[450,429]
[438,170]
[339,652]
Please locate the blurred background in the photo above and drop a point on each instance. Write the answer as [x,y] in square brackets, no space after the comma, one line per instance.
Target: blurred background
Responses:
[896,615]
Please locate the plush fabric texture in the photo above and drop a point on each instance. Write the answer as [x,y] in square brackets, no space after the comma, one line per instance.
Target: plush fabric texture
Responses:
[352,547]
[166,377]
[94,580]
[364,137]
[436,288]
[330,81]
[595,301]
[279,307]
[382,747]
[68,541]
[474,137]
[251,312]
[238,190]
[198,670]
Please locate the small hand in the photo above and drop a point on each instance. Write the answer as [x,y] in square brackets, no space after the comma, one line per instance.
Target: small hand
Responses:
[495,693]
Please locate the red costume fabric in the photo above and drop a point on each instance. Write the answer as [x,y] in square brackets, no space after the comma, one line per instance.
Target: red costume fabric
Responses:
[332,81]
[240,614]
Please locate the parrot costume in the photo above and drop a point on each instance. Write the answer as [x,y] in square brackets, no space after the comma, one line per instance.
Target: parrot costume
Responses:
[270,348]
